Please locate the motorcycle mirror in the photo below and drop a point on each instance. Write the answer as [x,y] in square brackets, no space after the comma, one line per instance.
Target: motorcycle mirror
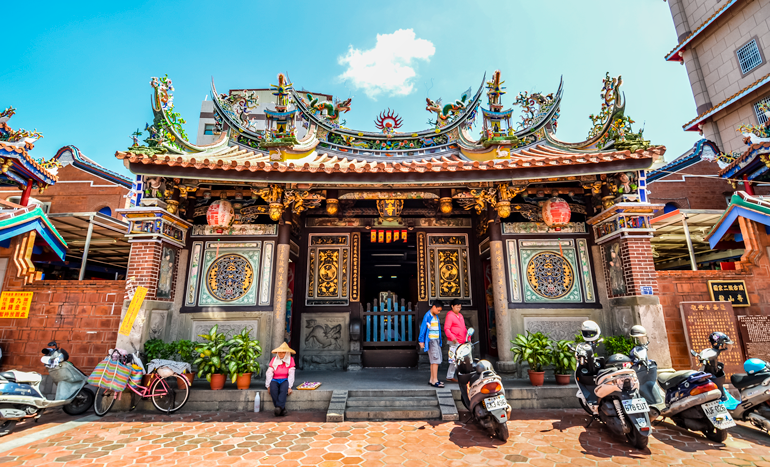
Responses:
[471,332]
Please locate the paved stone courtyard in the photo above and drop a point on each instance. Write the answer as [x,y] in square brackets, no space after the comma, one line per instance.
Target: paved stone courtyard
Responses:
[540,438]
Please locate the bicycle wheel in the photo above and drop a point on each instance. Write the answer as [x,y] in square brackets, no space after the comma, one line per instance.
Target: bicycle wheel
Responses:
[164,395]
[103,401]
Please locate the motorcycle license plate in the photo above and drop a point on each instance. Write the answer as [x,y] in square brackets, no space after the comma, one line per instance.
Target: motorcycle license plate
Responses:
[636,406]
[718,415]
[497,402]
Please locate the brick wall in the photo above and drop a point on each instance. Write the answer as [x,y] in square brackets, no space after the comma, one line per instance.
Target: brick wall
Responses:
[686,286]
[692,192]
[78,191]
[83,317]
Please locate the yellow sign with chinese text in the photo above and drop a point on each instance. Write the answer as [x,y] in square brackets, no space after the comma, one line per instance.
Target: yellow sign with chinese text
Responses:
[15,304]
[133,311]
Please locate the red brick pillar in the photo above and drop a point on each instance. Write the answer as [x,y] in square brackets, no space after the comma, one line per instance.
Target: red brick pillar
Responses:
[144,267]
[639,268]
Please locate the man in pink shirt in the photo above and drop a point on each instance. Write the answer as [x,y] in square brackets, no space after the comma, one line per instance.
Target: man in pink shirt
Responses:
[456,333]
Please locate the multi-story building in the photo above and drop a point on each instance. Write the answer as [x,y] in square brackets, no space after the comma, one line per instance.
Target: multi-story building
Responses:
[723,45]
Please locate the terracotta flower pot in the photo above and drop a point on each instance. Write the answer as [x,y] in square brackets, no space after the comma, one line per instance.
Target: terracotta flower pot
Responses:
[536,378]
[562,380]
[190,377]
[217,382]
[243,381]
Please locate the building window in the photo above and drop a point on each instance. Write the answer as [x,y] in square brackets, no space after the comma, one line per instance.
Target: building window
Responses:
[106,211]
[749,56]
[761,117]
[45,206]
[208,129]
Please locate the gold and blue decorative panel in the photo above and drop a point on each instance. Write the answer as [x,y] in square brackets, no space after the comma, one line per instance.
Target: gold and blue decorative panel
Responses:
[550,270]
[328,270]
[230,274]
[585,271]
[448,267]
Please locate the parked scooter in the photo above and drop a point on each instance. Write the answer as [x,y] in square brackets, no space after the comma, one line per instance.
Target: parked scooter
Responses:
[609,391]
[20,395]
[754,385]
[482,391]
[647,373]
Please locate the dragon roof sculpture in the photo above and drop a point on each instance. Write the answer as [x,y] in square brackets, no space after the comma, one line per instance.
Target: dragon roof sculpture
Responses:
[449,143]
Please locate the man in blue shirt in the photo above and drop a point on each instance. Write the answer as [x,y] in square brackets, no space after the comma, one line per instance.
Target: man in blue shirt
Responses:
[430,340]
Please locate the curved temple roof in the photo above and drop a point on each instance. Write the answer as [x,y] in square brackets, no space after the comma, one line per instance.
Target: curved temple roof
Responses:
[445,152]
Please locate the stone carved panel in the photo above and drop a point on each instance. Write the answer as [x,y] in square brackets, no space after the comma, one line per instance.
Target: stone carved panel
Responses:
[229,275]
[158,324]
[556,327]
[228,327]
[324,340]
[542,263]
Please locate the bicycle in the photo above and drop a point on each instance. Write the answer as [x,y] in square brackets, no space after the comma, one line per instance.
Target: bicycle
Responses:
[159,390]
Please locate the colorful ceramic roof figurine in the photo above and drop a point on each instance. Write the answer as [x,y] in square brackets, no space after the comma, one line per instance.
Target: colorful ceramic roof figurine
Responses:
[17,166]
[447,151]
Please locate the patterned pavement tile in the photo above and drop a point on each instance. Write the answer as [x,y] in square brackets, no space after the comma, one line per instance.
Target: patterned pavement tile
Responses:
[553,438]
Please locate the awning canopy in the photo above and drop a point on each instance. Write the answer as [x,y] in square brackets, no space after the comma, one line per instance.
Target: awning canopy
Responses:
[743,205]
[680,238]
[17,220]
[106,243]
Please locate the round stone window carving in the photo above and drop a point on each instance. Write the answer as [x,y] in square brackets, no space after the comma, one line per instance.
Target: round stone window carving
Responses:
[229,278]
[550,275]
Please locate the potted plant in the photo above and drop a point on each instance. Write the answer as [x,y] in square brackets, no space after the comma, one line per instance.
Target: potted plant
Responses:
[564,360]
[156,349]
[533,348]
[185,352]
[210,355]
[241,358]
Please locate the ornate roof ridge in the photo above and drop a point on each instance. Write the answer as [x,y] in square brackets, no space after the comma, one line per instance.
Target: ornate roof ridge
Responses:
[85,163]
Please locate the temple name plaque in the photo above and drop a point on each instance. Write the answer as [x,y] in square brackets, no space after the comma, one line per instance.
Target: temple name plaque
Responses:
[700,319]
[755,334]
[729,291]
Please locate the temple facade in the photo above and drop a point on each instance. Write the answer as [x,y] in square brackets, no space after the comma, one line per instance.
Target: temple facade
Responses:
[337,240]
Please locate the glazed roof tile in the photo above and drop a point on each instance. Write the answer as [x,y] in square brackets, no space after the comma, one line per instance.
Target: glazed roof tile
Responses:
[692,125]
[24,155]
[239,159]
[676,52]
[750,152]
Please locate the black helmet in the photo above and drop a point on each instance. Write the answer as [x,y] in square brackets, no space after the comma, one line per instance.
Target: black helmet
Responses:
[719,340]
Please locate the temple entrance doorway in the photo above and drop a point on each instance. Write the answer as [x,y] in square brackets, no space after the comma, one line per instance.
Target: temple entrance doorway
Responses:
[389,299]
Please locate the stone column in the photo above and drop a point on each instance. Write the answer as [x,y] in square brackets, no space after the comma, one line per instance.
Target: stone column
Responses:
[281,278]
[634,307]
[504,322]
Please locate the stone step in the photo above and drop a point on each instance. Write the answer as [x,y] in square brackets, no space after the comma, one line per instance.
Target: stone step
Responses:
[405,402]
[392,393]
[392,413]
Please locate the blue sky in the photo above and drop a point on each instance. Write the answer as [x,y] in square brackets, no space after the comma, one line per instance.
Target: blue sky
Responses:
[79,72]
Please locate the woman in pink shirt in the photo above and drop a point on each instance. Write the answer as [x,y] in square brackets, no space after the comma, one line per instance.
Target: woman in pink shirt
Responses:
[279,377]
[456,334]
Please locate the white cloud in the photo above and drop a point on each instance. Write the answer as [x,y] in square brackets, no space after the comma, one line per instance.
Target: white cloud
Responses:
[388,67]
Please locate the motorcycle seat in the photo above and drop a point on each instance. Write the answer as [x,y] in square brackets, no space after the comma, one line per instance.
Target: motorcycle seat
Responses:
[670,380]
[741,381]
[21,377]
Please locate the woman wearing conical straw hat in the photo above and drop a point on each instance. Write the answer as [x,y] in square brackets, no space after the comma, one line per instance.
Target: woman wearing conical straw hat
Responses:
[280,377]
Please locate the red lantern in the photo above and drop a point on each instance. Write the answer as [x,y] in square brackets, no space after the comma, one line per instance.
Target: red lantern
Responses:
[220,214]
[556,213]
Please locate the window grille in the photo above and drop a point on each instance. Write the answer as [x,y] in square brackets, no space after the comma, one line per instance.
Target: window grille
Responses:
[761,117]
[749,57]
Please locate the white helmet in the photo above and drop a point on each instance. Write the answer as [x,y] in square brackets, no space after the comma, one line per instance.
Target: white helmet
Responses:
[590,331]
